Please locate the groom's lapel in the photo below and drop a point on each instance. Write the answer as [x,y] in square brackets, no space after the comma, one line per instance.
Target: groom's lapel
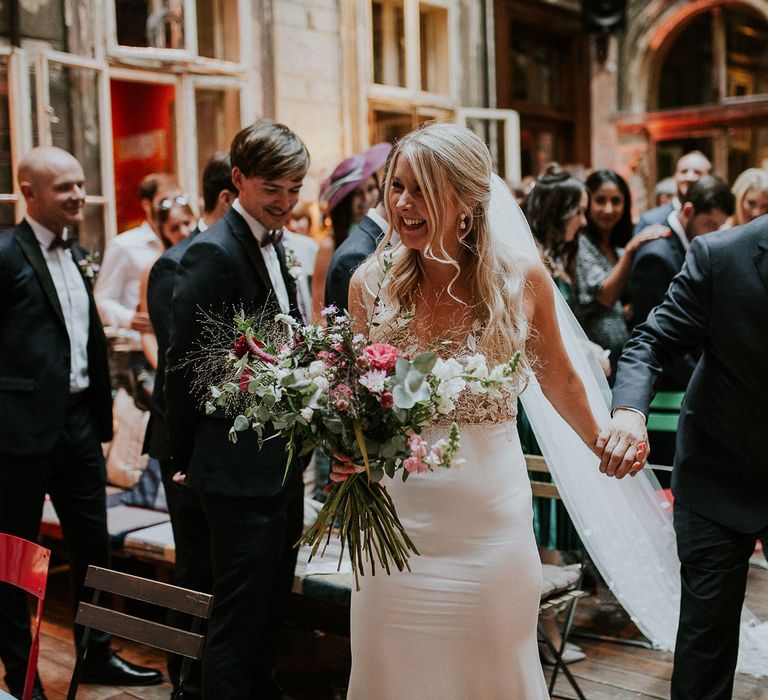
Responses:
[761,259]
[247,240]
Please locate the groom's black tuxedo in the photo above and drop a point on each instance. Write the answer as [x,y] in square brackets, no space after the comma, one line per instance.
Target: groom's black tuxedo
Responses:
[718,302]
[254,515]
[49,437]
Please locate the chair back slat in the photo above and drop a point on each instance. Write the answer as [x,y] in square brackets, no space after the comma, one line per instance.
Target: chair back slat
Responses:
[536,463]
[544,490]
[163,637]
[24,564]
[154,592]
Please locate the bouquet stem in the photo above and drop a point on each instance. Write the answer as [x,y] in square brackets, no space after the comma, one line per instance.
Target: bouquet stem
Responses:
[368,526]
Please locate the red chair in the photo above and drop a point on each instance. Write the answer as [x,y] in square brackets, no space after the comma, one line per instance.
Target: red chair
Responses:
[25,565]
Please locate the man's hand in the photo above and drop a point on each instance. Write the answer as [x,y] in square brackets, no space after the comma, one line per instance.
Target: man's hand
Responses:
[623,444]
[140,322]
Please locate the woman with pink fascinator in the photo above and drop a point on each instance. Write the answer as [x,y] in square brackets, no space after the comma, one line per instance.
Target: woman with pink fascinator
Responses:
[346,196]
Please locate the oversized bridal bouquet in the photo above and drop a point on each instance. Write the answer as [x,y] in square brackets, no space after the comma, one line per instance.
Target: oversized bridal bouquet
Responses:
[364,403]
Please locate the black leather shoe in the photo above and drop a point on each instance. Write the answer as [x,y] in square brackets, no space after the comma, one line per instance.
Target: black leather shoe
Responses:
[37,692]
[117,671]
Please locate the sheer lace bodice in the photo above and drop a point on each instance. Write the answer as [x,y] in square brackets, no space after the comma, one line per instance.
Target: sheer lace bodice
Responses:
[390,327]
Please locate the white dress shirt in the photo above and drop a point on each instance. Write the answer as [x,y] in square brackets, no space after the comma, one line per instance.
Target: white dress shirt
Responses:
[674,223]
[73,298]
[378,219]
[119,280]
[269,254]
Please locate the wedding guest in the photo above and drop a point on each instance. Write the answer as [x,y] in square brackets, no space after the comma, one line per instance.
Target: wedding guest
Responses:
[462,623]
[253,507]
[347,195]
[718,303]
[301,219]
[751,193]
[690,168]
[125,259]
[604,257]
[664,191]
[56,405]
[192,568]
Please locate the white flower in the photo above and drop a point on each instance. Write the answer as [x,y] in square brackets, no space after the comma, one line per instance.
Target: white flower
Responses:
[373,380]
[307,413]
[296,272]
[316,368]
[287,320]
[335,338]
[358,338]
[444,405]
[477,366]
[322,384]
[450,383]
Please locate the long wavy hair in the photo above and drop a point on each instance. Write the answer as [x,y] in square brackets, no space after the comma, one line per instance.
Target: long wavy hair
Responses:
[750,179]
[452,166]
[554,200]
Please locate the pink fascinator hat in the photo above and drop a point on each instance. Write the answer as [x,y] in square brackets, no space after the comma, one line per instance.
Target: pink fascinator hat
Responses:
[351,172]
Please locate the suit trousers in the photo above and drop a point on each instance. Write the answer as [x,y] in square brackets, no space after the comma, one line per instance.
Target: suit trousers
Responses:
[74,474]
[714,562]
[193,563]
[253,554]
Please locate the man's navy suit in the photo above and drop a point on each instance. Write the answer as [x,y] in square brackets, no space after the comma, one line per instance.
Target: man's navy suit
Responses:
[361,242]
[192,567]
[253,513]
[718,302]
[49,438]
[657,215]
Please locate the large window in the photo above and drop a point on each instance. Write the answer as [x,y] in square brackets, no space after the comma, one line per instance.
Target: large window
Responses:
[208,29]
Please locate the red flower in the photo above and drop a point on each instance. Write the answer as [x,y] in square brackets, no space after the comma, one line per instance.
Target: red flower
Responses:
[245,377]
[386,400]
[381,356]
[244,345]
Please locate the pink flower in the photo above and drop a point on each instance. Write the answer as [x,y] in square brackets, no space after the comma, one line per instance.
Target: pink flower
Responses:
[414,464]
[245,377]
[363,362]
[342,404]
[417,445]
[386,400]
[341,395]
[328,357]
[381,356]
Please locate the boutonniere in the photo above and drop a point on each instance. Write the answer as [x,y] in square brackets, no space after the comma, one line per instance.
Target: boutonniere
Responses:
[89,266]
[295,270]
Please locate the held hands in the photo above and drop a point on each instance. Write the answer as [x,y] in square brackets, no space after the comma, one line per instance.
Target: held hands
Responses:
[342,467]
[140,322]
[623,444]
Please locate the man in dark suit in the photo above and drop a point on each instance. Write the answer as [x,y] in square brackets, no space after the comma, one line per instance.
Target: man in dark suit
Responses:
[361,242]
[254,514]
[55,402]
[190,530]
[690,168]
[718,302]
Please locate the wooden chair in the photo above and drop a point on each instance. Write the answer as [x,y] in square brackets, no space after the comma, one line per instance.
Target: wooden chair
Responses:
[562,596]
[25,565]
[188,644]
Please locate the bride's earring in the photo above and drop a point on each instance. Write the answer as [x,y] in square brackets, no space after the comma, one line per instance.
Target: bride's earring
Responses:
[463,223]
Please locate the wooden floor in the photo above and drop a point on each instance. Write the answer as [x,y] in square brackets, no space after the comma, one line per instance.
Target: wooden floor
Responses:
[315,663]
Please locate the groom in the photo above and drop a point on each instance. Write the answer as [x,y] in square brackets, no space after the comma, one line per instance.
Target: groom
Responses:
[719,301]
[254,515]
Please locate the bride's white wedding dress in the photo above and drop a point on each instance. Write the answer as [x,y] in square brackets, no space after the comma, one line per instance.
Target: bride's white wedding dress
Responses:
[461,625]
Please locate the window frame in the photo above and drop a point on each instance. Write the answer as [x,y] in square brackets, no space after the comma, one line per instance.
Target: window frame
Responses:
[511,120]
[18,110]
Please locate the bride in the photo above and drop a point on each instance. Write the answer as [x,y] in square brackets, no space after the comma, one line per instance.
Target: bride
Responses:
[462,623]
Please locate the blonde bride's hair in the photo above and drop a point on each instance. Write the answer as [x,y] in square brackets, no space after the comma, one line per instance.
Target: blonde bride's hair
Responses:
[452,166]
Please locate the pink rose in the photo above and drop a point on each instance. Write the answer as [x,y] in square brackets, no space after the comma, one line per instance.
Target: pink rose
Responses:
[381,356]
[414,464]
[328,357]
[342,404]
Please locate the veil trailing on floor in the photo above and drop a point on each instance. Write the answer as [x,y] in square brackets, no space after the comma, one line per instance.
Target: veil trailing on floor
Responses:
[625,525]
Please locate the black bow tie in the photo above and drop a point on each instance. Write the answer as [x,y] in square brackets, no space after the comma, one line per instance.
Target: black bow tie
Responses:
[273,236]
[59,242]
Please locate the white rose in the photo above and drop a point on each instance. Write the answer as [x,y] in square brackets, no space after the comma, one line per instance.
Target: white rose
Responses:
[316,368]
[307,413]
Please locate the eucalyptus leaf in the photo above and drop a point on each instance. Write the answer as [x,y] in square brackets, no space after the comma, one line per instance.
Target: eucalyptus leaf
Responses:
[241,423]
[209,408]
[215,392]
[232,435]
[424,362]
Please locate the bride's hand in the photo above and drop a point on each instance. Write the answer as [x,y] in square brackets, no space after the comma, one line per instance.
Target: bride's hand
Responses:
[342,467]
[623,444]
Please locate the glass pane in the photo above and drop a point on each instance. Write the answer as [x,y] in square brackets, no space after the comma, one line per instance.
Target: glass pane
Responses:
[492,132]
[218,120]
[389,126]
[33,105]
[218,33]
[6,164]
[535,72]
[90,234]
[388,42]
[7,215]
[74,95]
[150,23]
[686,77]
[747,46]
[43,21]
[435,70]
[747,148]
[144,141]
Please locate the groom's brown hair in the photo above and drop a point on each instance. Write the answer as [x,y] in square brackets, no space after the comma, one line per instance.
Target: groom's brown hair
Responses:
[269,150]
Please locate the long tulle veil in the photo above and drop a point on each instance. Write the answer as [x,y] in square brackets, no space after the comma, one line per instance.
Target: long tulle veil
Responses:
[624,524]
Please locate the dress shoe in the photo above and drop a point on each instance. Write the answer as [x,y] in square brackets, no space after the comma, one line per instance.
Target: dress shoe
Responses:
[117,671]
[37,692]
